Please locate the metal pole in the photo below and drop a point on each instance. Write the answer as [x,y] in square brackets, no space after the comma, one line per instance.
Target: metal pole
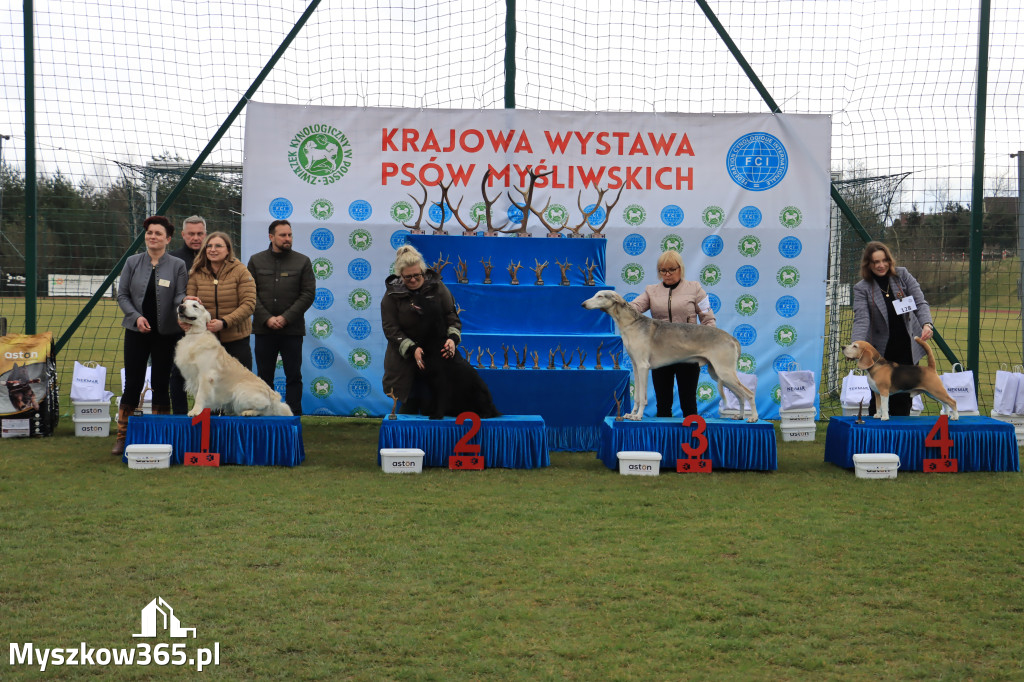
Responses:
[510,54]
[1020,239]
[31,201]
[978,197]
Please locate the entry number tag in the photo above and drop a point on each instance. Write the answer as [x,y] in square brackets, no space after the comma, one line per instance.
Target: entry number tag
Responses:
[904,305]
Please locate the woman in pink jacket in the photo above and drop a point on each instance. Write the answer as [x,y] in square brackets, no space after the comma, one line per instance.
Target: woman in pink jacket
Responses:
[675,300]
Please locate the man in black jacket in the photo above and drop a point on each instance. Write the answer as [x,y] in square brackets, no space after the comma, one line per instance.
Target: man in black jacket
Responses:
[193,232]
[285,288]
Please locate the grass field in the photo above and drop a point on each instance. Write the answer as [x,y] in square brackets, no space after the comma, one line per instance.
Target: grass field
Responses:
[334,570]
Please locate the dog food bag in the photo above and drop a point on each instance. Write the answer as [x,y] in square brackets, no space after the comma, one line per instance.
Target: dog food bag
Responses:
[28,385]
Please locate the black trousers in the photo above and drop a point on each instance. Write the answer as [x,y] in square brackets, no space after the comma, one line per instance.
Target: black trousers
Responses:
[142,349]
[240,350]
[268,346]
[179,399]
[685,374]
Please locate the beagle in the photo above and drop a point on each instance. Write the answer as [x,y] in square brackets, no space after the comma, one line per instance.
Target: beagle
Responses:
[886,378]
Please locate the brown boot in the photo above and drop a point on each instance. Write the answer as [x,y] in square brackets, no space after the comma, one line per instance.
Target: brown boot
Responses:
[123,413]
[161,409]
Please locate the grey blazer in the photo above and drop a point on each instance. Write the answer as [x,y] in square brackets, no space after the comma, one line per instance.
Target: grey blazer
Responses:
[871,319]
[131,289]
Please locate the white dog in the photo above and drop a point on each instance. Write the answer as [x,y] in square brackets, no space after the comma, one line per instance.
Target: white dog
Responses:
[217,380]
[656,343]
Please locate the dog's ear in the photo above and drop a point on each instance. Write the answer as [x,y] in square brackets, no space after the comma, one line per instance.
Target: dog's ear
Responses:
[868,356]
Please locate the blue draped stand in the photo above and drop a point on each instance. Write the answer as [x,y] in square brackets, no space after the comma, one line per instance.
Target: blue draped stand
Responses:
[979,443]
[264,441]
[510,442]
[732,444]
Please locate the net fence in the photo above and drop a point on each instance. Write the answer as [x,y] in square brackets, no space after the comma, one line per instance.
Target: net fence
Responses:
[129,93]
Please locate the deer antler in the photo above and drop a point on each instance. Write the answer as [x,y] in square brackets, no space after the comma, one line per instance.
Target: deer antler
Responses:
[528,202]
[421,204]
[488,203]
[455,209]
[586,214]
[607,212]
[440,264]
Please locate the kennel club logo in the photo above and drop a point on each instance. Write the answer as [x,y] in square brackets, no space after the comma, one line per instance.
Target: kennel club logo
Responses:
[401,211]
[632,273]
[320,154]
[359,358]
[710,275]
[788,276]
[746,305]
[321,387]
[360,299]
[322,209]
[634,215]
[785,335]
[757,161]
[749,246]
[322,268]
[321,328]
[672,242]
[360,240]
[791,216]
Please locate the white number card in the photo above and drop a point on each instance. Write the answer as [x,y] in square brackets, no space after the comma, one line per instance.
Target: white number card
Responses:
[904,305]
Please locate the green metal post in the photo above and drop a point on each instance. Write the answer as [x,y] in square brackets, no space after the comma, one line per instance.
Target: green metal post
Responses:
[210,146]
[978,196]
[31,200]
[510,54]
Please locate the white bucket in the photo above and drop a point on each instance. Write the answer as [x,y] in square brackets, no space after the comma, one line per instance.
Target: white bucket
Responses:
[639,463]
[401,460]
[92,426]
[876,465]
[148,456]
[798,432]
[798,418]
[90,409]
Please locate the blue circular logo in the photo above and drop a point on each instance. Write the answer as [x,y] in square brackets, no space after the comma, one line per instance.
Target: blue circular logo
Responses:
[630,297]
[281,208]
[515,214]
[715,303]
[398,238]
[747,276]
[359,388]
[359,269]
[757,161]
[360,210]
[280,385]
[321,239]
[358,328]
[712,245]
[784,363]
[321,357]
[323,299]
[750,216]
[672,215]
[745,334]
[787,306]
[634,244]
[435,213]
[790,247]
[597,217]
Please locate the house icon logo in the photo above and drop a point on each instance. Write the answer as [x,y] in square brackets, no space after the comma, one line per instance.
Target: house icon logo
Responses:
[158,614]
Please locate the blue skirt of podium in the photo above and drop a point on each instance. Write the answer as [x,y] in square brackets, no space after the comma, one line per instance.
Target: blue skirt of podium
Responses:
[979,443]
[267,441]
[732,444]
[510,442]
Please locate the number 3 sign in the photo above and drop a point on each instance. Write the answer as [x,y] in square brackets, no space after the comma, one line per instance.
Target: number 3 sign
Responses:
[695,464]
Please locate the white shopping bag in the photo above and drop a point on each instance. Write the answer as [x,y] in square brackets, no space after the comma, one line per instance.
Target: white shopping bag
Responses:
[729,400]
[147,388]
[798,389]
[855,390]
[960,387]
[89,383]
[917,404]
[1005,392]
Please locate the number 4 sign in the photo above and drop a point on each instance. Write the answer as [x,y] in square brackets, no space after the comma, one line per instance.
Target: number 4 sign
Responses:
[695,464]
[939,438]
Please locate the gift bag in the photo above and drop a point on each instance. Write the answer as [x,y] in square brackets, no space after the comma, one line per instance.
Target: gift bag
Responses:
[89,382]
[855,389]
[1018,403]
[960,387]
[729,400]
[147,389]
[28,385]
[917,405]
[797,388]
[1005,399]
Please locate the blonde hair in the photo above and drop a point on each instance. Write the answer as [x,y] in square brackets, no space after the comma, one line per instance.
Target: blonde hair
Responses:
[202,261]
[672,257]
[865,259]
[406,257]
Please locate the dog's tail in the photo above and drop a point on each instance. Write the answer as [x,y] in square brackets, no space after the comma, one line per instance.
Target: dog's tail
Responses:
[928,350]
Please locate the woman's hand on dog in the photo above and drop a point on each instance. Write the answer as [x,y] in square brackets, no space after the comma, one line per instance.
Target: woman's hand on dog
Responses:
[447,352]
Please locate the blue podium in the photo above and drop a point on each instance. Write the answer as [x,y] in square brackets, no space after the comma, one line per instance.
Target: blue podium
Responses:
[732,444]
[979,443]
[261,441]
[510,442]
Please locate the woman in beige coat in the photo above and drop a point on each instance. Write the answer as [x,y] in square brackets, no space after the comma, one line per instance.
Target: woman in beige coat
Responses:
[675,300]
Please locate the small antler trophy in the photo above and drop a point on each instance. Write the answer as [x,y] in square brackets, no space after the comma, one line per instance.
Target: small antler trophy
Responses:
[597,359]
[487,269]
[539,268]
[394,404]
[513,271]
[564,267]
[461,271]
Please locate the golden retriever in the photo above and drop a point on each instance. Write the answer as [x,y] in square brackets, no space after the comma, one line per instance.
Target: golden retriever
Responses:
[217,380]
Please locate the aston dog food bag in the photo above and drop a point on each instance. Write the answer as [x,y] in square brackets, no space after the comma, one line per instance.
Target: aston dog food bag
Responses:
[28,385]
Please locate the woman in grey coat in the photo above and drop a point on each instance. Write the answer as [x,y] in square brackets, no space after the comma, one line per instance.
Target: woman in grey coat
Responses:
[888,311]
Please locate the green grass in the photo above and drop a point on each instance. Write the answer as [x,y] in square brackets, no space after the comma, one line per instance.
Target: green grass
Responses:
[334,570]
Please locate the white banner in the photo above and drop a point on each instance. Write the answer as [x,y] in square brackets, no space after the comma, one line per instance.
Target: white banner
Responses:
[744,198]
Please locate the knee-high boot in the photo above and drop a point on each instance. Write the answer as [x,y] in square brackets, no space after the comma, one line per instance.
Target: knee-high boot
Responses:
[161,409]
[123,413]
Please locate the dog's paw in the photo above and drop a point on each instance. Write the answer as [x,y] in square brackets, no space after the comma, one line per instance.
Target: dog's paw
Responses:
[249,413]
[752,420]
[195,411]
[634,417]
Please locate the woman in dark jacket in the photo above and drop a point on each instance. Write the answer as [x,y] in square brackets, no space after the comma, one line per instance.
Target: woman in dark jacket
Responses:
[152,285]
